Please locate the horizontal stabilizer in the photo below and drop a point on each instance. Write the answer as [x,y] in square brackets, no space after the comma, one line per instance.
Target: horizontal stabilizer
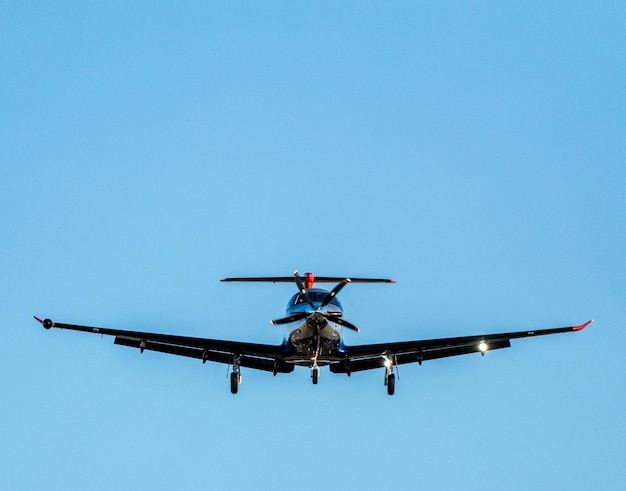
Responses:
[318,279]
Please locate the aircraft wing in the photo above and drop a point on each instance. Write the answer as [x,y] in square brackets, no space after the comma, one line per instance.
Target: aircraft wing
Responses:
[260,356]
[367,356]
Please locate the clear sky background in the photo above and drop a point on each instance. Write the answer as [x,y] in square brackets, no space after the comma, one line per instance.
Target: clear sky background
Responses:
[473,151]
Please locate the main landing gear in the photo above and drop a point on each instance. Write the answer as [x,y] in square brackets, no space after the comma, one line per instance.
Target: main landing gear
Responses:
[235,377]
[235,380]
[390,382]
[390,378]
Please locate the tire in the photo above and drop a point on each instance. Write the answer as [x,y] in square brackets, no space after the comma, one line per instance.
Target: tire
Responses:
[234,382]
[315,373]
[391,384]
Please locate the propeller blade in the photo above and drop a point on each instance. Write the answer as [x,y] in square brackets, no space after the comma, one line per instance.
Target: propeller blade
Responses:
[302,289]
[334,292]
[342,322]
[292,318]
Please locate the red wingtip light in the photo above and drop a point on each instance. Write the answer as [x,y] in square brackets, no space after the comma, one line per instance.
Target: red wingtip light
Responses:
[392,281]
[582,326]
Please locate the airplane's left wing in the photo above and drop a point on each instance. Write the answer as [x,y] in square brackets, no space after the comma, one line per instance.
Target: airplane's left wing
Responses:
[368,356]
[260,356]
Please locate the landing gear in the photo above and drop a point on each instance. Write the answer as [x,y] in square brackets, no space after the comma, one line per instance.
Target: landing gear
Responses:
[390,378]
[315,373]
[315,369]
[391,384]
[235,380]
[235,375]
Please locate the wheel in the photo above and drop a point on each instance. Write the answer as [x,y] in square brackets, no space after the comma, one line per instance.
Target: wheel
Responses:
[391,384]
[315,373]
[234,382]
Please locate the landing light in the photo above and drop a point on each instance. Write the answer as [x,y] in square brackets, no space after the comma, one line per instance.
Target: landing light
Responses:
[483,347]
[388,363]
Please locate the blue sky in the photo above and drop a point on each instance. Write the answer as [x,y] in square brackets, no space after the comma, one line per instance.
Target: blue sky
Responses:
[473,151]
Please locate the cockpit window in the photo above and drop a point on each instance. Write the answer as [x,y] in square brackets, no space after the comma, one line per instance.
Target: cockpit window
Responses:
[317,297]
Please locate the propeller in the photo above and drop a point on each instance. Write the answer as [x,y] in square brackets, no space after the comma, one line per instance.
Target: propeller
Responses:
[305,294]
[334,292]
[341,321]
[292,318]
[302,289]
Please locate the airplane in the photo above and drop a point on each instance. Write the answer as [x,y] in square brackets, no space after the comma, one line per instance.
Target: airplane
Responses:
[315,341]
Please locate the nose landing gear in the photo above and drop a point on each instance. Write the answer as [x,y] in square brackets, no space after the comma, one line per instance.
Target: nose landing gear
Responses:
[315,371]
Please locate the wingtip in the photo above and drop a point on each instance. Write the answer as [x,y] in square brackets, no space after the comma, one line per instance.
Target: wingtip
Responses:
[392,281]
[582,326]
[46,323]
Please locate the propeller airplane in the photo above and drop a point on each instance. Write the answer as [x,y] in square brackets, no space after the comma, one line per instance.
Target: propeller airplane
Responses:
[315,341]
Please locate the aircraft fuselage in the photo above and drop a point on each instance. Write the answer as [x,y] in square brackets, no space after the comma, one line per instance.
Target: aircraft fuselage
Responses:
[316,338]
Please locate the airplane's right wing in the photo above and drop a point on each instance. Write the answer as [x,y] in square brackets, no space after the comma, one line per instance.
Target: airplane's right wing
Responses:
[368,356]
